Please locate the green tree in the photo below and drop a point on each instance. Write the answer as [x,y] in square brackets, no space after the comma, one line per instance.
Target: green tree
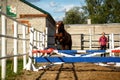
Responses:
[103,11]
[112,10]
[74,16]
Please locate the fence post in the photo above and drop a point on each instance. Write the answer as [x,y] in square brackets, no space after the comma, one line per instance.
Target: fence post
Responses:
[31,48]
[90,40]
[38,40]
[24,45]
[15,45]
[43,40]
[46,37]
[35,43]
[111,42]
[108,41]
[35,40]
[112,54]
[30,65]
[3,48]
[82,42]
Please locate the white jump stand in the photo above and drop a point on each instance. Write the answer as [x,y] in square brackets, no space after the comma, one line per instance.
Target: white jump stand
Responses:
[30,66]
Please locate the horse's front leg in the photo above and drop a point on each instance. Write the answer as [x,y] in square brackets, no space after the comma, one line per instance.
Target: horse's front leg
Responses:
[67,47]
[56,41]
[62,47]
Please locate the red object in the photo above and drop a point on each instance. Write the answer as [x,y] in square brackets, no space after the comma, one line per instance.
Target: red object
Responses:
[34,51]
[48,51]
[116,51]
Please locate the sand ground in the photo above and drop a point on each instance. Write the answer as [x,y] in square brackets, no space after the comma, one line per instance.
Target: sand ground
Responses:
[73,71]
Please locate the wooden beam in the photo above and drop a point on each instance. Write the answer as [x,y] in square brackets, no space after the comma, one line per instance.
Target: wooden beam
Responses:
[32,15]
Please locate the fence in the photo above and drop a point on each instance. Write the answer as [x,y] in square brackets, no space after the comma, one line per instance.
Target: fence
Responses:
[15,42]
[90,41]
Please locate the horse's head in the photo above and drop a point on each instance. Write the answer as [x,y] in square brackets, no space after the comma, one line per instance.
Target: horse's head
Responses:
[59,32]
[59,27]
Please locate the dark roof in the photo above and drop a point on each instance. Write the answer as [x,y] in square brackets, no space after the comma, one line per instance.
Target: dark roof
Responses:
[39,9]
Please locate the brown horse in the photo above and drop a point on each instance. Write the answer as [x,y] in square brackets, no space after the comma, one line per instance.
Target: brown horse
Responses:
[62,37]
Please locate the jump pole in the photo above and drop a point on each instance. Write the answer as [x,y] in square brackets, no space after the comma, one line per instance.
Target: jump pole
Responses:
[65,54]
[70,53]
[77,59]
[69,57]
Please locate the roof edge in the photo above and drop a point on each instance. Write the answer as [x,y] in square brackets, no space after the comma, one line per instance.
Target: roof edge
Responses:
[30,4]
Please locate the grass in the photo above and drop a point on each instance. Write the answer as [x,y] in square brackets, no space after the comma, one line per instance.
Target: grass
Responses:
[10,75]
